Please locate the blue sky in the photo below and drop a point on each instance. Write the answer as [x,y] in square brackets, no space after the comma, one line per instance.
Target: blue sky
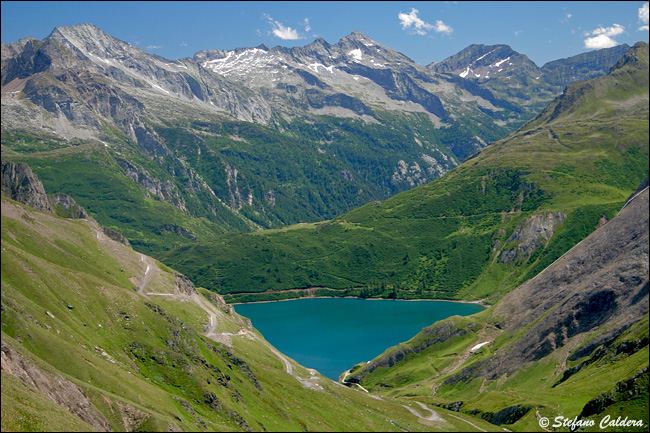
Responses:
[424,31]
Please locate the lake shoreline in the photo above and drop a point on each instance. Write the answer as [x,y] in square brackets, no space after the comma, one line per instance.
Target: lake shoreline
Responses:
[462,301]
[333,335]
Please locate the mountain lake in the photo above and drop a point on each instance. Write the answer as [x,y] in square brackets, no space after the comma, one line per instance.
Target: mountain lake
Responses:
[332,335]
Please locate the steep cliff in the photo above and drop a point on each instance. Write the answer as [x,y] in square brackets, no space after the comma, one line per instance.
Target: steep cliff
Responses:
[19,183]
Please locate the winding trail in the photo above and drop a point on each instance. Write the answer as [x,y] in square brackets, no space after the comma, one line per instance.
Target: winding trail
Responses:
[211,331]
[433,417]
[146,276]
[538,418]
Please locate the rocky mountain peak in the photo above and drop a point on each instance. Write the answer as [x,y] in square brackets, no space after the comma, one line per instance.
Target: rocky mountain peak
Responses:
[320,42]
[357,36]
[637,55]
[14,48]
[583,66]
[485,61]
[359,48]
[92,42]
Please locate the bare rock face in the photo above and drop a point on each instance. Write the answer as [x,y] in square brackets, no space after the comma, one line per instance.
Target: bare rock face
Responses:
[116,236]
[55,387]
[184,285]
[21,184]
[531,233]
[69,207]
[600,287]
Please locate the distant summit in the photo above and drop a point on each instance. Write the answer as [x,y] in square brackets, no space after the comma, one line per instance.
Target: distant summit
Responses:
[482,62]
[359,121]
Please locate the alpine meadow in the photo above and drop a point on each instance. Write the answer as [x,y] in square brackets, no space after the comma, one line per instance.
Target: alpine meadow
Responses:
[143,199]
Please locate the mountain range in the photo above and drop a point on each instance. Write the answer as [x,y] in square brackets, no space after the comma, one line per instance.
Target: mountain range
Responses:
[231,141]
[485,227]
[541,214]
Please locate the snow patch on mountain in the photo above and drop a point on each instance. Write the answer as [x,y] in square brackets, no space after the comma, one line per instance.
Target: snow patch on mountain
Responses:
[356,54]
[314,67]
[484,55]
[242,63]
[497,64]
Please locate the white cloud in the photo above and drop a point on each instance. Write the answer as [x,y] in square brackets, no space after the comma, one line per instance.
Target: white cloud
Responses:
[643,17]
[442,27]
[600,41]
[281,31]
[614,30]
[286,33]
[420,27]
[307,26]
[603,37]
[412,20]
[154,47]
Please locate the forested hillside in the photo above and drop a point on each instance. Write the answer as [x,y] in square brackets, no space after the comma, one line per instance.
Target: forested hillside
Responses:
[493,222]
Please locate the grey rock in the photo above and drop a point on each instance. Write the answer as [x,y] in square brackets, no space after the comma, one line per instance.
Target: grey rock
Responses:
[70,208]
[21,184]
[530,234]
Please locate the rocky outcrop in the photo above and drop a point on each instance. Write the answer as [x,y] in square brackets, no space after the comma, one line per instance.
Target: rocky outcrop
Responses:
[629,389]
[65,206]
[116,236]
[166,190]
[530,234]
[19,183]
[183,285]
[508,415]
[598,288]
[53,386]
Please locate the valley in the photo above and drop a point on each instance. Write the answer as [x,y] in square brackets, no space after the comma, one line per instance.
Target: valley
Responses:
[239,153]
[142,197]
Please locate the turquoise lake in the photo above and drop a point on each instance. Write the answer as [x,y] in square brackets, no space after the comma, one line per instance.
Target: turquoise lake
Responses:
[334,334]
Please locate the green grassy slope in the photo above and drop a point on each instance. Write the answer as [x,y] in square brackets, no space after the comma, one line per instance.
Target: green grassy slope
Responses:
[96,336]
[571,343]
[217,175]
[573,166]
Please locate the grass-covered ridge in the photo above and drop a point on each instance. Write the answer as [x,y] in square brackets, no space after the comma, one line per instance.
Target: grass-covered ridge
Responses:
[572,342]
[96,336]
[571,168]
[211,175]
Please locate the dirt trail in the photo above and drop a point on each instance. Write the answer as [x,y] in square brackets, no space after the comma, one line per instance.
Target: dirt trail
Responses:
[146,276]
[212,332]
[433,417]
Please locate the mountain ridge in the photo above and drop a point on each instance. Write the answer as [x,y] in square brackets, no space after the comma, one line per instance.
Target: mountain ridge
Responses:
[80,307]
[100,337]
[361,116]
[585,315]
[461,236]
